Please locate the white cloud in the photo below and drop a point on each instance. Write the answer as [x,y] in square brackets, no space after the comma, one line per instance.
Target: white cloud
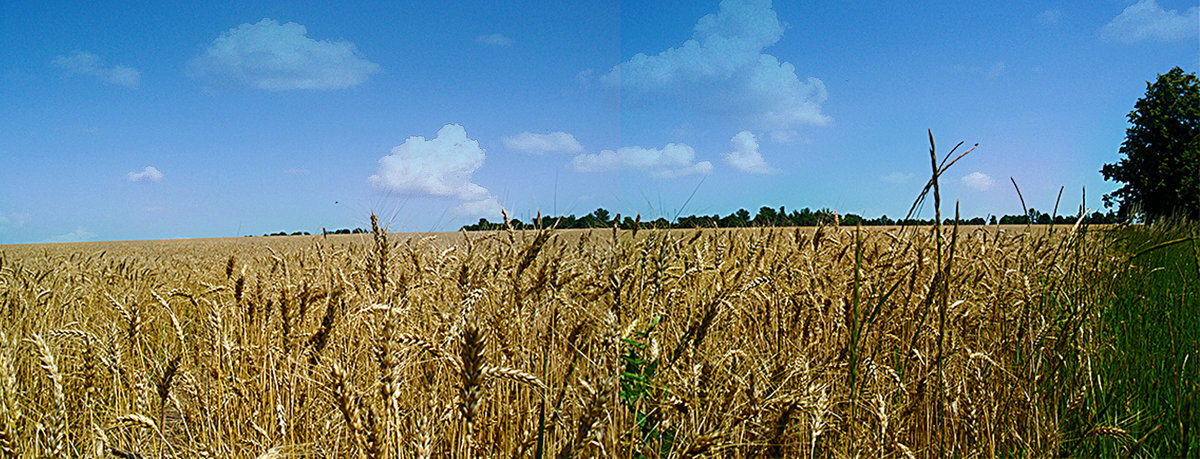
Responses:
[543,143]
[723,70]
[745,156]
[898,177]
[978,181]
[605,161]
[1146,20]
[278,57]
[296,171]
[79,234]
[85,63]
[673,160]
[489,207]
[1048,17]
[441,166]
[494,40]
[149,175]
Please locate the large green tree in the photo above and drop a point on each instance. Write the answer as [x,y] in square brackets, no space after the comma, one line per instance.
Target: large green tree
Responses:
[1161,153]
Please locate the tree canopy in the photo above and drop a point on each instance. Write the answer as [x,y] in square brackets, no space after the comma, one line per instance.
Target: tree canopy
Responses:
[1161,153]
[770,217]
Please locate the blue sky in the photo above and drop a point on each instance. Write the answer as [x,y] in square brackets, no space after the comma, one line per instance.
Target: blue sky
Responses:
[198,119]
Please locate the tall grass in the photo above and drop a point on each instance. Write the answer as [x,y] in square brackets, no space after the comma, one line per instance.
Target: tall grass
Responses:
[1143,381]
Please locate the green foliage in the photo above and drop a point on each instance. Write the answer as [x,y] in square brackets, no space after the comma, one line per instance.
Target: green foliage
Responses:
[768,217]
[1144,381]
[640,393]
[601,216]
[1161,163]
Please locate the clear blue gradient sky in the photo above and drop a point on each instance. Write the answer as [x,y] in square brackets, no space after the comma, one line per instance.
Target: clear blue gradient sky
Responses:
[195,119]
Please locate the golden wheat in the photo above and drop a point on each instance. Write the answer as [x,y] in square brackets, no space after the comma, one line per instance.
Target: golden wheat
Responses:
[813,343]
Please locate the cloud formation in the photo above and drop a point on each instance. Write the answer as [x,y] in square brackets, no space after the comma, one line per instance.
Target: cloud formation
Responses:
[488,207]
[673,160]
[722,69]
[79,234]
[494,40]
[978,181]
[745,156]
[1146,20]
[279,57]
[148,175]
[441,167]
[85,63]
[538,144]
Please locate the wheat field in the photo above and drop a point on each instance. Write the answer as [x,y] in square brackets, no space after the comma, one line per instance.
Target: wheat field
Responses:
[826,342]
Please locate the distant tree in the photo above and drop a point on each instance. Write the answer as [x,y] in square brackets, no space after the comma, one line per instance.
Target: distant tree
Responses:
[566,222]
[825,216]
[766,217]
[627,223]
[602,217]
[992,220]
[742,216]
[804,217]
[1161,163]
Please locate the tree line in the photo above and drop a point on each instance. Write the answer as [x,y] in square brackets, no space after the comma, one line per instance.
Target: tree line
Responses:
[768,216]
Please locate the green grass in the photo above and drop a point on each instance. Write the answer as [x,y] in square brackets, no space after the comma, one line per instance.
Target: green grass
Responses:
[1144,378]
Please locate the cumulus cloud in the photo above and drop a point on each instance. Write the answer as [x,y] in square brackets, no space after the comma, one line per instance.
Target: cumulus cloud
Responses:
[537,144]
[745,156]
[978,181]
[279,57]
[494,40]
[1146,20]
[488,207]
[673,160]
[79,234]
[722,69]
[441,166]
[1048,17]
[148,175]
[85,63]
